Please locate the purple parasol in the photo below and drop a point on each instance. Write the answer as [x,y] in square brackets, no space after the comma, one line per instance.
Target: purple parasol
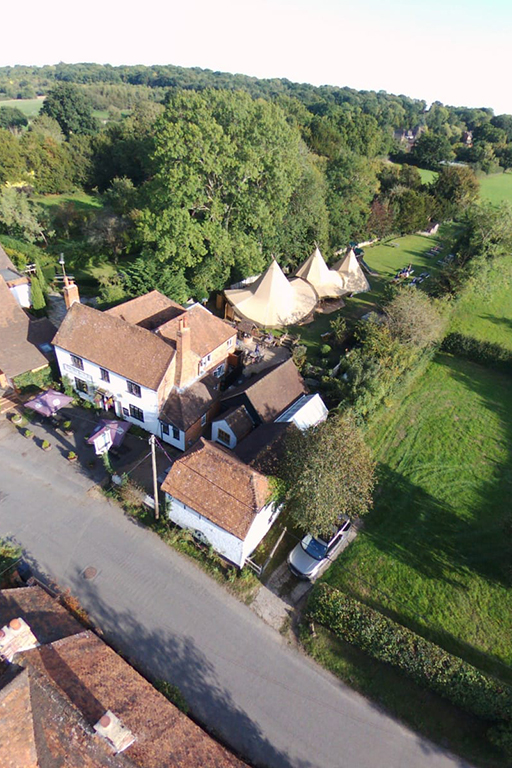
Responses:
[49,402]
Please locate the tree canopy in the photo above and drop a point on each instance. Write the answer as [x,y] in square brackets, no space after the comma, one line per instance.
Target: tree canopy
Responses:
[71,108]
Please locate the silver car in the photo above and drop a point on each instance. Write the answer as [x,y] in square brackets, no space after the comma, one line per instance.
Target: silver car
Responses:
[313,554]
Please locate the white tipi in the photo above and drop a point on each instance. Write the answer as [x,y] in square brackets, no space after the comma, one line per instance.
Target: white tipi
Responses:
[272,300]
[326,282]
[354,279]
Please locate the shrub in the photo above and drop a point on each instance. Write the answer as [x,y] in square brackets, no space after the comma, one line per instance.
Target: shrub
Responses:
[484,352]
[27,433]
[325,349]
[173,694]
[72,456]
[45,445]
[426,663]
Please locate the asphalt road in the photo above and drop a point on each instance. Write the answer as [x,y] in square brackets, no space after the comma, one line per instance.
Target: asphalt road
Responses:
[241,679]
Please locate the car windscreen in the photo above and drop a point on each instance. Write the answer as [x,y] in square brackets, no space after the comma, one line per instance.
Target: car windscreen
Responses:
[315,548]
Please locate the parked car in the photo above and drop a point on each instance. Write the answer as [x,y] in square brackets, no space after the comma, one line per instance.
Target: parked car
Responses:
[312,555]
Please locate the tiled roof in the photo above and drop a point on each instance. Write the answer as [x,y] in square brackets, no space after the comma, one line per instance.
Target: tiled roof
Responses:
[264,447]
[207,332]
[45,616]
[184,407]
[270,392]
[216,484]
[150,311]
[112,343]
[52,696]
[238,420]
[17,353]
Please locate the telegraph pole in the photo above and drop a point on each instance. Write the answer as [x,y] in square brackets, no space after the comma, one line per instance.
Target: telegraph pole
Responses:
[152,442]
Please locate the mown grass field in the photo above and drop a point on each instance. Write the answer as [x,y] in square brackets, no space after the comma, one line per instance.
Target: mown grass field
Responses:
[435,551]
[485,312]
[29,107]
[81,200]
[496,188]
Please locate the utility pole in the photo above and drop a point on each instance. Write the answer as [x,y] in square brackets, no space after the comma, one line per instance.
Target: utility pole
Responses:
[152,442]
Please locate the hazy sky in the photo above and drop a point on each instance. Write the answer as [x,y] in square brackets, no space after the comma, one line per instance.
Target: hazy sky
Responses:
[454,51]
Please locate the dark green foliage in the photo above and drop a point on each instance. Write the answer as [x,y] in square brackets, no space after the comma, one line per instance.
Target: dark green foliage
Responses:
[71,108]
[12,117]
[478,351]
[9,554]
[427,664]
[431,149]
[455,188]
[34,380]
[145,275]
[37,295]
[173,694]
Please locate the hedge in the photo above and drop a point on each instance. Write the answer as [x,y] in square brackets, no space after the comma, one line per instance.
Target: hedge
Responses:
[426,663]
[484,352]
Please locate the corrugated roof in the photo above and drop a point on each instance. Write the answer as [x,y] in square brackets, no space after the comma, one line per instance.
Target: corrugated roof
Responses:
[110,342]
[217,485]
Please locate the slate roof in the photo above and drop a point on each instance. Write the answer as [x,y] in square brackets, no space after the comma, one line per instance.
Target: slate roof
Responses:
[149,311]
[17,353]
[268,393]
[216,484]
[128,350]
[184,407]
[52,696]
[207,332]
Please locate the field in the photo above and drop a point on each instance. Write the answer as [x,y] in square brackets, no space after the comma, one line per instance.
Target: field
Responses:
[434,552]
[496,188]
[81,200]
[29,107]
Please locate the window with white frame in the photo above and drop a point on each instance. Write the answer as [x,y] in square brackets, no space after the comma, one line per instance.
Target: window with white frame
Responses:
[205,361]
[134,389]
[219,371]
[105,376]
[230,343]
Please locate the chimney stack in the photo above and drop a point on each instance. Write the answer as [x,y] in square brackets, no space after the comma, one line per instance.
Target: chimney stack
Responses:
[16,637]
[70,291]
[111,728]
[186,370]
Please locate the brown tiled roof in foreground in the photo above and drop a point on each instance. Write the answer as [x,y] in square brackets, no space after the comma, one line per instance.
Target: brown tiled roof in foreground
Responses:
[17,353]
[112,343]
[215,483]
[149,311]
[46,617]
[184,407]
[269,392]
[52,696]
[207,332]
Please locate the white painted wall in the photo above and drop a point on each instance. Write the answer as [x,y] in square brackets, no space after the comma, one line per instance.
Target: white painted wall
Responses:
[221,424]
[22,294]
[223,542]
[228,545]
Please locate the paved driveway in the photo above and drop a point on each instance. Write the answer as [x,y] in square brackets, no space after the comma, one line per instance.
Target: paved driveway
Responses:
[241,679]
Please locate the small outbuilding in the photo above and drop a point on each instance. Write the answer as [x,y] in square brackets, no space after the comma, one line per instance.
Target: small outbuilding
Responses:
[226,503]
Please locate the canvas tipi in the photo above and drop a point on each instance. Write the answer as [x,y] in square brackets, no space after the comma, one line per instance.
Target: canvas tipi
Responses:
[326,282]
[354,279]
[272,300]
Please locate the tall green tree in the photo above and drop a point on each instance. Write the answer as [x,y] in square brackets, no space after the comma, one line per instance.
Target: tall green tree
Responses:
[352,184]
[12,117]
[330,474]
[455,188]
[19,217]
[71,108]
[226,168]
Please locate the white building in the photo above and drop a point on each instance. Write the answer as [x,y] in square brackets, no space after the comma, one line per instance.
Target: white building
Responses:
[155,363]
[222,500]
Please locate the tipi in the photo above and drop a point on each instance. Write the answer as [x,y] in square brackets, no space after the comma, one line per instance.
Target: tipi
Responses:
[272,300]
[354,279]
[327,283]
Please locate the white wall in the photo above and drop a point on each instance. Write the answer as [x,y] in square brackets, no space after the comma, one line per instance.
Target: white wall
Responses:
[223,542]
[221,424]
[22,294]
[259,528]
[307,412]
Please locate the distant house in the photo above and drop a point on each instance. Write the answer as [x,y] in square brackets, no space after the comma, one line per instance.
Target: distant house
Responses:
[157,364]
[25,343]
[225,502]
[276,394]
[68,699]
[18,284]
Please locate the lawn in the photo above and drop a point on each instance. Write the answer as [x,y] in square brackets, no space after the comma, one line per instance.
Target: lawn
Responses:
[81,200]
[29,107]
[435,554]
[496,188]
[485,312]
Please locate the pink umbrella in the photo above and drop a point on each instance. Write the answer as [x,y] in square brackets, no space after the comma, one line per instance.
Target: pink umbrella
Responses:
[49,402]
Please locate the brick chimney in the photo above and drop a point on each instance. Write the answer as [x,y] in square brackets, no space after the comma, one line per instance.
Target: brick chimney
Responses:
[186,367]
[70,291]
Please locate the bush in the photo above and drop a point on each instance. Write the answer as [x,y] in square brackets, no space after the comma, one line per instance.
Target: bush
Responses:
[173,694]
[27,433]
[325,350]
[484,352]
[427,664]
[72,456]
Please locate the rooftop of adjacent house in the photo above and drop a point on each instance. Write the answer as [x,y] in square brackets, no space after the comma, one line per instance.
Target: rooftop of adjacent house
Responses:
[264,447]
[207,332]
[47,618]
[53,700]
[150,311]
[270,392]
[184,407]
[19,336]
[128,350]
[5,262]
[216,484]
[238,420]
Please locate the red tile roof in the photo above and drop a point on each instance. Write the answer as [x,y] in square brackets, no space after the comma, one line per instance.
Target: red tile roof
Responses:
[212,481]
[149,311]
[207,332]
[17,353]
